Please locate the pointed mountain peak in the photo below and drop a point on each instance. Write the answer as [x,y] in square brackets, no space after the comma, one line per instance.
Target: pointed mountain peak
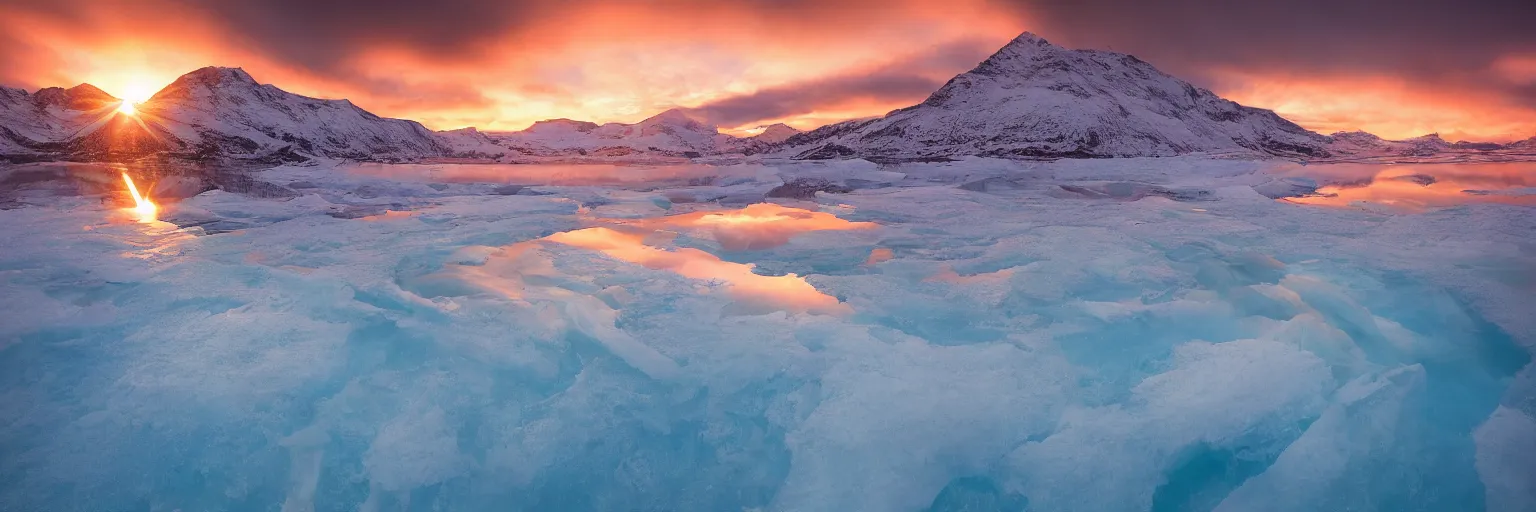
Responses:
[89,91]
[1027,44]
[1029,39]
[776,133]
[779,127]
[1024,52]
[213,76]
[673,116]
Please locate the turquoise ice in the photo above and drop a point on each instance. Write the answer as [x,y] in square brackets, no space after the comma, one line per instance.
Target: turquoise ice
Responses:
[1154,335]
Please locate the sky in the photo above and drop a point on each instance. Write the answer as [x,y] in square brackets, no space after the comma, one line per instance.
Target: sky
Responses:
[1466,70]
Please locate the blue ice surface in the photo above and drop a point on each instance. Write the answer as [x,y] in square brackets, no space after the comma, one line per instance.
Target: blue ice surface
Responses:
[1142,351]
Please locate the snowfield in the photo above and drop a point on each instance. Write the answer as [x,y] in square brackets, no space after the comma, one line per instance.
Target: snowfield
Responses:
[1162,334]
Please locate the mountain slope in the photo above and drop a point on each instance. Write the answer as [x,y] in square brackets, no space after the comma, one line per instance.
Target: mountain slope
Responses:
[1362,145]
[771,138]
[1035,99]
[44,122]
[1527,145]
[224,111]
[208,113]
[775,134]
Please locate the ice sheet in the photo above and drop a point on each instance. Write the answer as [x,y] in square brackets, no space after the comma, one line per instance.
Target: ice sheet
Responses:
[1141,334]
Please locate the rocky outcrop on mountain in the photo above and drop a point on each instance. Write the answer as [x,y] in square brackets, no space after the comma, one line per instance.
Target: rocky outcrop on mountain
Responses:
[1036,99]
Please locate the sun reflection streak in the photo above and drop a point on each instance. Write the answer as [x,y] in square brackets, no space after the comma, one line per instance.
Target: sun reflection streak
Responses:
[142,206]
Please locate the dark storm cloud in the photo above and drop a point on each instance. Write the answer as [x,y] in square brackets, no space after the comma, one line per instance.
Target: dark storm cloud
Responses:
[1422,37]
[322,34]
[806,97]
[1443,43]
[318,34]
[905,80]
[426,96]
[1436,40]
[1443,47]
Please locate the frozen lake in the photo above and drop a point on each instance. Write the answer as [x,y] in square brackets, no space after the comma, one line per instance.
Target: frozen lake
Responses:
[1172,334]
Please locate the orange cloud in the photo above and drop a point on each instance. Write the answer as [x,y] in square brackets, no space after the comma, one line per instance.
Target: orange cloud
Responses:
[788,292]
[1390,107]
[1394,186]
[585,60]
[501,65]
[1518,69]
[642,243]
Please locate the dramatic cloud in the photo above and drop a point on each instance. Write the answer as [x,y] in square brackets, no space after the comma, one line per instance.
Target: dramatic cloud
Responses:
[1475,56]
[891,85]
[1466,68]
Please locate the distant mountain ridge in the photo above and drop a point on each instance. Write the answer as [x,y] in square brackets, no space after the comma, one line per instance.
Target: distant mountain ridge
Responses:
[1359,144]
[1031,99]
[671,133]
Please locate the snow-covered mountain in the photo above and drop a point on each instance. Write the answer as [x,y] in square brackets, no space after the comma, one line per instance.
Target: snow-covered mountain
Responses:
[1030,99]
[225,111]
[775,133]
[471,143]
[1036,99]
[37,124]
[211,112]
[1527,145]
[671,133]
[1359,144]
[771,138]
[16,113]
